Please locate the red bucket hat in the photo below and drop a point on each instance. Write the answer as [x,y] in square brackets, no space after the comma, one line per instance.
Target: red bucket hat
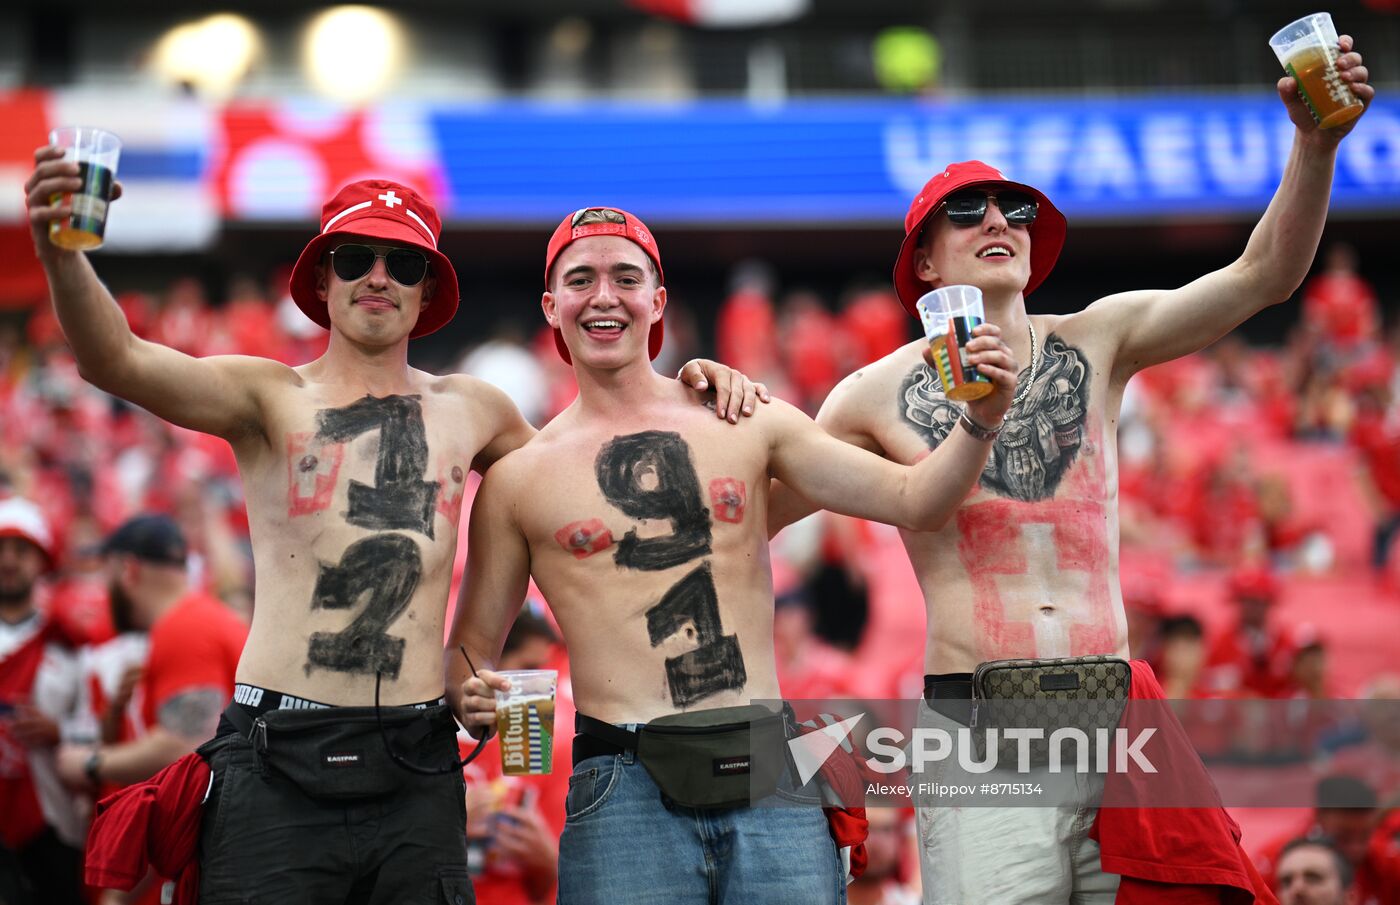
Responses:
[631,228]
[1047,232]
[377,209]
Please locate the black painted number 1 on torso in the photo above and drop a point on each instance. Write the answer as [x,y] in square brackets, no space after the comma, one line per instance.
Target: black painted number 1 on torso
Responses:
[383,569]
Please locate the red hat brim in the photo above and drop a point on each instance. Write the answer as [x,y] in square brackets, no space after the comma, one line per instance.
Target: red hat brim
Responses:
[440,307]
[1047,239]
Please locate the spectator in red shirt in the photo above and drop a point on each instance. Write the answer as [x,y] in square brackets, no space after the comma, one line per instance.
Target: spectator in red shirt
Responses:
[1345,817]
[195,642]
[1183,657]
[513,847]
[1339,306]
[40,831]
[1241,659]
[1376,434]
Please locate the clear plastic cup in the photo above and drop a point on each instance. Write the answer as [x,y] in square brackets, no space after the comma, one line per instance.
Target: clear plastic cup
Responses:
[949,315]
[95,152]
[525,721]
[1308,51]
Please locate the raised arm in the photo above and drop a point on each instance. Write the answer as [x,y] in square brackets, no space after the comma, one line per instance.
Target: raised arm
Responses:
[852,481]
[843,416]
[493,590]
[218,395]
[1158,325]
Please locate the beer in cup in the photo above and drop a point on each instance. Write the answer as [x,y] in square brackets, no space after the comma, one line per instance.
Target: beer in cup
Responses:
[525,721]
[1308,51]
[949,315]
[95,152]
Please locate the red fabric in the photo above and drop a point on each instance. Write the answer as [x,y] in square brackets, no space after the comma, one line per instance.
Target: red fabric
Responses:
[1171,854]
[152,824]
[846,779]
[195,644]
[876,325]
[1342,306]
[24,818]
[1378,438]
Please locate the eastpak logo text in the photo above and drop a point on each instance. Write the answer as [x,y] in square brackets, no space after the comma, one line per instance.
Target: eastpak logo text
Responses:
[343,759]
[731,766]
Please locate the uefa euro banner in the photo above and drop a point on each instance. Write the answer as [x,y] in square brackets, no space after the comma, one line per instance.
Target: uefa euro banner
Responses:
[822,163]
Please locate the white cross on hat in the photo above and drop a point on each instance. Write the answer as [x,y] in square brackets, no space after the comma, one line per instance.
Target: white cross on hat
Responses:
[390,199]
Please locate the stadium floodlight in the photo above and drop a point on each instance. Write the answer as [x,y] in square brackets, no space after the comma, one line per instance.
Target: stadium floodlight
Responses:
[352,53]
[212,54]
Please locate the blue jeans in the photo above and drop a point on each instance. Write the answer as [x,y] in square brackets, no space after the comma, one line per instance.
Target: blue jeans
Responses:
[623,843]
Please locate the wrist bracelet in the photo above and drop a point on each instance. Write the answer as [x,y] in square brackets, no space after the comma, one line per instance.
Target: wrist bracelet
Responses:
[92,765]
[977,431]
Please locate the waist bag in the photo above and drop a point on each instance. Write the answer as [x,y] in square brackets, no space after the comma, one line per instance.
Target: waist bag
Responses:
[339,754]
[720,758]
[1084,693]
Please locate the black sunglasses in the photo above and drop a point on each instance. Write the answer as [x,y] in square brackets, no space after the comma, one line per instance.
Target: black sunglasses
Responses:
[969,207]
[406,266]
[588,215]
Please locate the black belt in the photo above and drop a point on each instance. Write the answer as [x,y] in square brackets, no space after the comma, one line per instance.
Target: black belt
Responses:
[596,738]
[951,695]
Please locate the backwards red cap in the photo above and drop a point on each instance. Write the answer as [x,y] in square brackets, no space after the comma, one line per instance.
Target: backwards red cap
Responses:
[21,518]
[1047,232]
[631,228]
[379,209]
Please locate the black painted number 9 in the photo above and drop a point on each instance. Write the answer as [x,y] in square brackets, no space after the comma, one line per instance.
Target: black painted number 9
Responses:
[650,476]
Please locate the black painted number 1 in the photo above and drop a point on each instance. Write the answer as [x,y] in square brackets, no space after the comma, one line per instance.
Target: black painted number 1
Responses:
[382,570]
[650,476]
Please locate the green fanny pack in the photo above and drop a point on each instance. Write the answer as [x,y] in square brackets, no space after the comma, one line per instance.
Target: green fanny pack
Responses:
[720,758]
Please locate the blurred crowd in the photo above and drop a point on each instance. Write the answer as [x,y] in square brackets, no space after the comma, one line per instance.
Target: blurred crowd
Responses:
[1258,486]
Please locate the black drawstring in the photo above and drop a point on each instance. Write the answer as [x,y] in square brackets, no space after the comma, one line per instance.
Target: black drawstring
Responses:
[415,768]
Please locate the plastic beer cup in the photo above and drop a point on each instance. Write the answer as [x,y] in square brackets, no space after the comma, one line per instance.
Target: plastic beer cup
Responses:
[949,315]
[95,152]
[1308,51]
[525,721]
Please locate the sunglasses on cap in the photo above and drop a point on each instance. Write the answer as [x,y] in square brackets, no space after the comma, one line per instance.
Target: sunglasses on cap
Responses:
[406,266]
[968,208]
[588,215]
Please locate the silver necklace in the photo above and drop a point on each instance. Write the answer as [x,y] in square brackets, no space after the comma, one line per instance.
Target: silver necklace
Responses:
[1035,368]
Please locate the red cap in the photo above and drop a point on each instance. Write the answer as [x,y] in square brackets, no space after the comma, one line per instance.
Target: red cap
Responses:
[1047,232]
[21,518]
[632,228]
[379,209]
[1254,583]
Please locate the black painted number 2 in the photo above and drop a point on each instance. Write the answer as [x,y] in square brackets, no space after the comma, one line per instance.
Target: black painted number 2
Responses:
[650,476]
[382,570]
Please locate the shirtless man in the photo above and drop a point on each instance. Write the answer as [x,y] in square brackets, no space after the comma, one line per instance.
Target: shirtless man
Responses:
[646,530]
[354,467]
[1028,568]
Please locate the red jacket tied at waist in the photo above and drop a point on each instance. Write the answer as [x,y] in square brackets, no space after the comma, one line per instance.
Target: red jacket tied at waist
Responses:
[152,824]
[1174,855]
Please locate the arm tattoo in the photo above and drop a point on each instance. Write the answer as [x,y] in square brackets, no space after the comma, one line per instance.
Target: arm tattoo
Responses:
[1042,435]
[192,714]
